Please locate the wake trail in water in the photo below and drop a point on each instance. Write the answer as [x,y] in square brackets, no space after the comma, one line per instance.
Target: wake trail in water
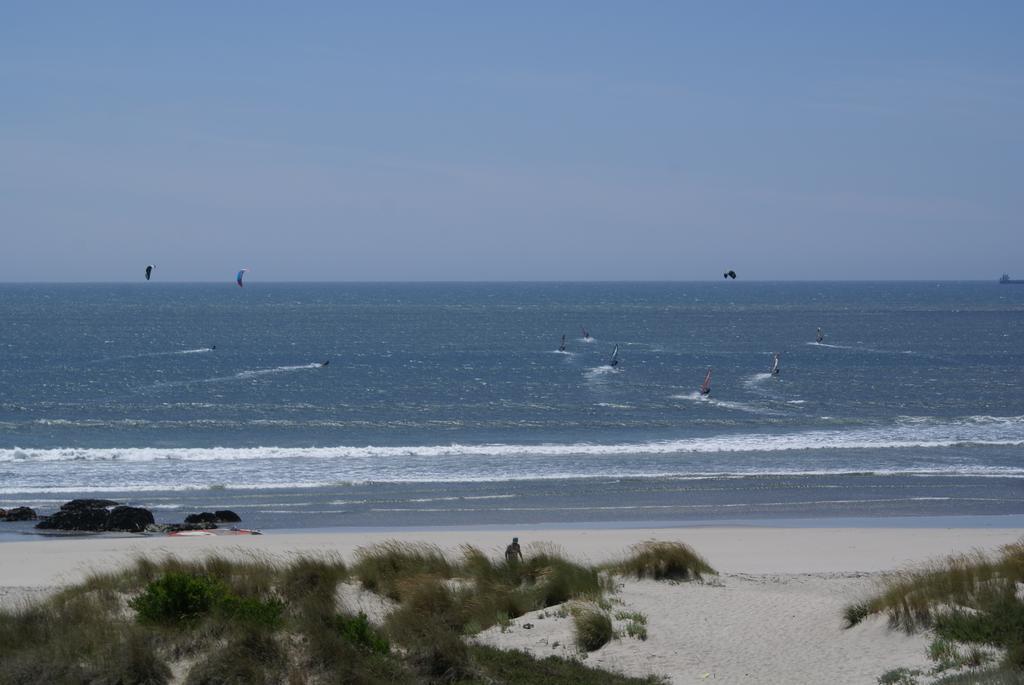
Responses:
[756,379]
[859,348]
[695,396]
[242,375]
[148,355]
[277,369]
[600,371]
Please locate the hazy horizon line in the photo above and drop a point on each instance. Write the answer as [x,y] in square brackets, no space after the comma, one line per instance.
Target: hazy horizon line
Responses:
[256,283]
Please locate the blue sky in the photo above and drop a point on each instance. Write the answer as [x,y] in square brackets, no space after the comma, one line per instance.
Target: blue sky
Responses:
[529,141]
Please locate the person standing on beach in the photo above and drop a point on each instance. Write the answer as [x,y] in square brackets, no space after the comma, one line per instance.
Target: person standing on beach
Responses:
[513,551]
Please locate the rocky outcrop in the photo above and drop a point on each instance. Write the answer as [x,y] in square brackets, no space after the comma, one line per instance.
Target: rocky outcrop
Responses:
[94,515]
[80,518]
[223,516]
[19,514]
[129,519]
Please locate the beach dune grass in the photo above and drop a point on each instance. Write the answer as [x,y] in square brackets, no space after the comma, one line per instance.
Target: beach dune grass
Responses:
[518,668]
[970,599]
[258,619]
[381,568]
[592,628]
[663,560]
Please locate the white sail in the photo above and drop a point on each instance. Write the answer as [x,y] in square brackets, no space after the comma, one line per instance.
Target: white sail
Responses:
[775,364]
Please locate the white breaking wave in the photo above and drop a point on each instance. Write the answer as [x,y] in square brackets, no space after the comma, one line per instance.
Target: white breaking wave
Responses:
[906,432]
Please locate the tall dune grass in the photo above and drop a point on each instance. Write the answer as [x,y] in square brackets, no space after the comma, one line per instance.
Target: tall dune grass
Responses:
[383,567]
[970,599]
[258,619]
[664,561]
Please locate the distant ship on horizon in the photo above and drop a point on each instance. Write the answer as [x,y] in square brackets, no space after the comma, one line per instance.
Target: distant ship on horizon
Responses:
[1005,280]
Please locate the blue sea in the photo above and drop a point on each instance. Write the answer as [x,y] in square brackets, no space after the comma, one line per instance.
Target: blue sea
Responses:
[450,404]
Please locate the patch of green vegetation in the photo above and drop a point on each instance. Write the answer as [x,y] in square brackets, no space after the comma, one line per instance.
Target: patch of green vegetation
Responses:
[358,631]
[664,561]
[855,613]
[179,597]
[636,623]
[964,600]
[518,668]
[900,676]
[312,577]
[996,676]
[592,628]
[634,616]
[384,568]
[260,620]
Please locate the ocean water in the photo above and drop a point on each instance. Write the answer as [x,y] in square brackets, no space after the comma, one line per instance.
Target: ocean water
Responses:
[450,404]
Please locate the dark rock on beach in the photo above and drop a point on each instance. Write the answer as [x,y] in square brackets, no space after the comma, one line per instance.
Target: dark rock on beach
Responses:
[129,519]
[223,516]
[92,519]
[95,515]
[204,517]
[19,514]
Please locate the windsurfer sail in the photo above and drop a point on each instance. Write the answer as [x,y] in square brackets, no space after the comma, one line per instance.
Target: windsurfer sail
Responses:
[775,364]
[149,270]
[586,333]
[561,346]
[614,361]
[705,387]
[238,277]
[819,336]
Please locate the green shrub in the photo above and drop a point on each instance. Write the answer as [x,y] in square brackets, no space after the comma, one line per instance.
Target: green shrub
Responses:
[855,613]
[178,596]
[358,631]
[664,561]
[593,629]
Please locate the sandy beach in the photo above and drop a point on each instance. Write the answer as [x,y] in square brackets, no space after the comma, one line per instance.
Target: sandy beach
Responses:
[772,615]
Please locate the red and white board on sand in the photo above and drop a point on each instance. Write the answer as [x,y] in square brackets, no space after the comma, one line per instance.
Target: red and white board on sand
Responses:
[215,532]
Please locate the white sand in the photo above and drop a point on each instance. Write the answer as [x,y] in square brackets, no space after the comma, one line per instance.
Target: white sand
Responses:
[773,616]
